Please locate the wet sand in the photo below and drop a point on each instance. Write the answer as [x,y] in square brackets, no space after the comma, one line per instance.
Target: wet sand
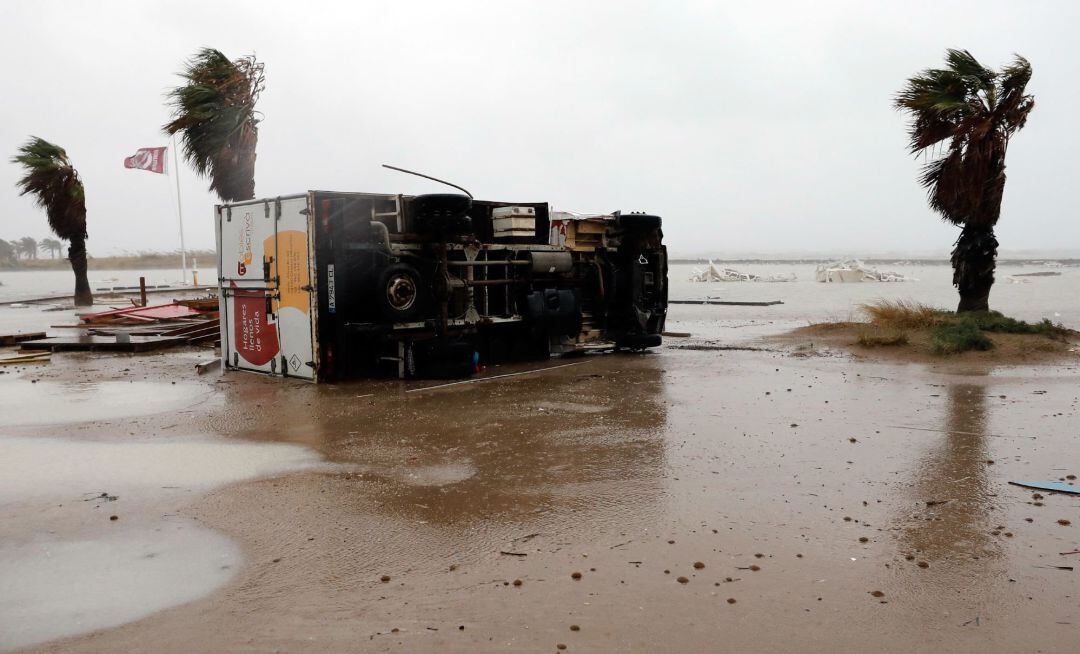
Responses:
[843,505]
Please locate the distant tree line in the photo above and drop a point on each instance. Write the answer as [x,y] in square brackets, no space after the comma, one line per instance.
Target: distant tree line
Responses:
[28,247]
[28,252]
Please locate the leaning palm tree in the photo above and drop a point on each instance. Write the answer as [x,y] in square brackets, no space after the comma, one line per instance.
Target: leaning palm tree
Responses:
[28,246]
[8,251]
[56,187]
[51,245]
[963,116]
[214,114]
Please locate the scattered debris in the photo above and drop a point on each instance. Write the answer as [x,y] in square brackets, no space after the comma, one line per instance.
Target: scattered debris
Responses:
[14,339]
[138,328]
[1053,486]
[712,273]
[854,270]
[207,366]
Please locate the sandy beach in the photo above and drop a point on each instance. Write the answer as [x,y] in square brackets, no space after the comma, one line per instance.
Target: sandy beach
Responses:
[764,498]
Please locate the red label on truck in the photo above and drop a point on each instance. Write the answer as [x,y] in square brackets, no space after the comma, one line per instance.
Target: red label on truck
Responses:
[254,335]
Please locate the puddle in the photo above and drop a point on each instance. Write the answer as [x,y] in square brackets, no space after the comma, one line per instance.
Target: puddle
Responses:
[33,467]
[66,568]
[439,475]
[21,402]
[56,588]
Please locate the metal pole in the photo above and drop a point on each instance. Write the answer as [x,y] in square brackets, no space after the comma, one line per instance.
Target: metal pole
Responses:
[179,212]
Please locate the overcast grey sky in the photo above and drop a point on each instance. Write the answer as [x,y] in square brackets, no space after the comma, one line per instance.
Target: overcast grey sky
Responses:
[747,126]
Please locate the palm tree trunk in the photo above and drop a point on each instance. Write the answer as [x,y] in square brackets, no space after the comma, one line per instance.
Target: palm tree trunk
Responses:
[974,260]
[77,256]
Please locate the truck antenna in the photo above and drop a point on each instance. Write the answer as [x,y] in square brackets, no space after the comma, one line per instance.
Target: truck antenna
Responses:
[434,179]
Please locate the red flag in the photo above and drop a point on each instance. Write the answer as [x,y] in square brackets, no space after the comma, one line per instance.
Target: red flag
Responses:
[152,159]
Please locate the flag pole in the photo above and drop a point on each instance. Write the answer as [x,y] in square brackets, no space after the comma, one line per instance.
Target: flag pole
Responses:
[179,211]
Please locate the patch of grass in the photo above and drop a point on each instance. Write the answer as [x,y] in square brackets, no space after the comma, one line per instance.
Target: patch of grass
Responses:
[904,314]
[959,336]
[875,337]
[992,321]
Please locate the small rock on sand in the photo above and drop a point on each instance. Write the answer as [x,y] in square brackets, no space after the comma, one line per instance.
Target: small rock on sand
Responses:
[698,565]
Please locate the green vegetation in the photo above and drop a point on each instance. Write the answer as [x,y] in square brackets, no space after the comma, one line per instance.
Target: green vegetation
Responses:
[959,336]
[949,332]
[962,117]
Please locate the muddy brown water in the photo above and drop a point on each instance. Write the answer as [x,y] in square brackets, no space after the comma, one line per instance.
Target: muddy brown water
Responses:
[625,469]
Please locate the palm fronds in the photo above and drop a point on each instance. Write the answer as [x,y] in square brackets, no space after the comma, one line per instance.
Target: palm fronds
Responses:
[55,185]
[214,114]
[965,114]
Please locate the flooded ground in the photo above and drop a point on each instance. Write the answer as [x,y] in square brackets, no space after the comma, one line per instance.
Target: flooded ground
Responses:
[682,500]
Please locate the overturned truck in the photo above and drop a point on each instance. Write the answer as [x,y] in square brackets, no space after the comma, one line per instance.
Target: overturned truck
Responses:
[329,285]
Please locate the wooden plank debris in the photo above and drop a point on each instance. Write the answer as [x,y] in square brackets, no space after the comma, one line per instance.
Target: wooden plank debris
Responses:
[15,339]
[101,343]
[37,357]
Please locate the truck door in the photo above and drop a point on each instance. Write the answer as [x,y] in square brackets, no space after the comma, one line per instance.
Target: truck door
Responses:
[291,273]
[246,249]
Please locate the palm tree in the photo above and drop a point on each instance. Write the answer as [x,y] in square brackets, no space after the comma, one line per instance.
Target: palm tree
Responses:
[56,187]
[28,246]
[51,245]
[963,116]
[8,252]
[214,113]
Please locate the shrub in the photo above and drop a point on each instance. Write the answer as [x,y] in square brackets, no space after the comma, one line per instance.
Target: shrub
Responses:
[959,336]
[904,314]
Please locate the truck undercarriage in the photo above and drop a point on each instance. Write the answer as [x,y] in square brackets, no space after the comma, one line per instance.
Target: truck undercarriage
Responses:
[432,285]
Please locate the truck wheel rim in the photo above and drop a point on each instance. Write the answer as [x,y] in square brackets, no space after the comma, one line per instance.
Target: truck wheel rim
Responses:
[401,292]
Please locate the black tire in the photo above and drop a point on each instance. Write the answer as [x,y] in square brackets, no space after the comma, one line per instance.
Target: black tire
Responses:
[400,293]
[639,222]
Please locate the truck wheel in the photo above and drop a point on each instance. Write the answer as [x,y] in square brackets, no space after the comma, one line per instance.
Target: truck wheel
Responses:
[639,222]
[399,293]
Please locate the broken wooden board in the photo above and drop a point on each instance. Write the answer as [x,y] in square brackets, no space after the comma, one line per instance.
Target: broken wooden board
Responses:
[141,315]
[15,339]
[1052,486]
[102,343]
[38,357]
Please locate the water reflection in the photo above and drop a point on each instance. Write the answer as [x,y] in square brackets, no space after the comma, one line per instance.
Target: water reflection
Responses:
[952,486]
[582,438]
